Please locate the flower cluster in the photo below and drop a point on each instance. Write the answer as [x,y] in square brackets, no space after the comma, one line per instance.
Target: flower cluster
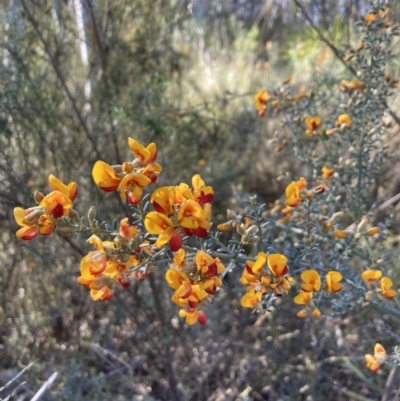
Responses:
[268,272]
[111,262]
[311,282]
[195,280]
[129,178]
[180,209]
[382,287]
[49,212]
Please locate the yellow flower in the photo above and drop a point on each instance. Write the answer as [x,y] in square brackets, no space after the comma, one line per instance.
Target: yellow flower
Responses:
[346,86]
[193,315]
[370,276]
[333,281]
[340,234]
[303,298]
[327,172]
[70,190]
[105,176]
[260,101]
[374,362]
[251,299]
[312,124]
[344,120]
[56,204]
[293,192]
[34,221]
[208,265]
[277,264]
[132,185]
[145,155]
[202,193]
[311,281]
[386,291]
[126,231]
[161,225]
[372,231]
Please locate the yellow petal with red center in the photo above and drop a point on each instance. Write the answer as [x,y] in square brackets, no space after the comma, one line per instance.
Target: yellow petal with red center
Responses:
[163,200]
[312,280]
[247,278]
[372,363]
[191,315]
[189,214]
[184,290]
[69,190]
[157,223]
[313,122]
[179,301]
[138,149]
[132,180]
[327,172]
[86,277]
[105,176]
[251,299]
[303,298]
[126,231]
[175,278]
[56,204]
[165,236]
[277,264]
[27,233]
[370,276]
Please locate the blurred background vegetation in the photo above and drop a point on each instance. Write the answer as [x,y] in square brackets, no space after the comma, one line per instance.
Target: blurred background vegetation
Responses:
[77,77]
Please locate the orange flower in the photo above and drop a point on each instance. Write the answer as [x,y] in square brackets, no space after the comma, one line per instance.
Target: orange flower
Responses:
[161,225]
[193,315]
[70,190]
[105,176]
[251,299]
[343,121]
[311,281]
[386,291]
[56,204]
[145,155]
[327,172]
[126,231]
[202,193]
[346,86]
[208,265]
[333,281]
[277,264]
[34,221]
[374,362]
[340,234]
[370,276]
[260,101]
[372,231]
[312,124]
[303,298]
[194,219]
[293,192]
[132,185]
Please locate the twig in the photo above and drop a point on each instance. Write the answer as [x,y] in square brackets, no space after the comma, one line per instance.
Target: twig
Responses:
[46,385]
[389,383]
[337,52]
[57,70]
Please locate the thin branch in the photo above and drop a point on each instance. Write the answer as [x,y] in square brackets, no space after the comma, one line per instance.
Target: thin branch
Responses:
[46,385]
[389,383]
[57,70]
[338,54]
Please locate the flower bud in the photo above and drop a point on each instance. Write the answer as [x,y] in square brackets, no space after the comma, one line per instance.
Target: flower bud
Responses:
[91,214]
[73,214]
[38,196]
[32,215]
[127,167]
